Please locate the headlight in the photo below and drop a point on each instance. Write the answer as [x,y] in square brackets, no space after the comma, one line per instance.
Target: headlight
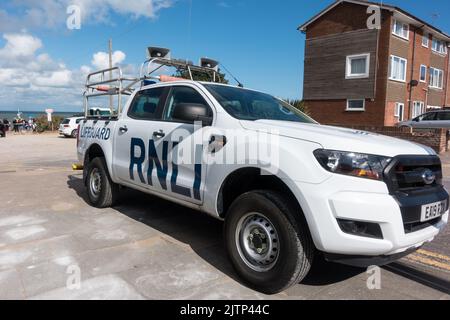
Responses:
[352,164]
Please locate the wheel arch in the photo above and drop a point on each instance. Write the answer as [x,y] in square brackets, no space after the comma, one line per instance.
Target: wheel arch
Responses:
[94,151]
[250,178]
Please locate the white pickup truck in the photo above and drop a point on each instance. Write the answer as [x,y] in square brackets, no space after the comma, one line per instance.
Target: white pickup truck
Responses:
[285,186]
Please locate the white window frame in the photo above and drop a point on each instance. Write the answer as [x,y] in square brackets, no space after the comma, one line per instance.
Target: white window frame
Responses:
[398,106]
[438,51]
[423,67]
[421,105]
[354,109]
[348,68]
[426,36]
[394,29]
[440,76]
[392,69]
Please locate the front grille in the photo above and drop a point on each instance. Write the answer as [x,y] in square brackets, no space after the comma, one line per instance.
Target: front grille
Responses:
[404,174]
[404,179]
[417,226]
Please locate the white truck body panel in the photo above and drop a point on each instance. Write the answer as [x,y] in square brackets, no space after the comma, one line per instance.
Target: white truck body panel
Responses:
[322,195]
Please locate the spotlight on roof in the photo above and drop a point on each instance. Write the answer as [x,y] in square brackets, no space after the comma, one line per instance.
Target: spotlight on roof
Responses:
[209,63]
[162,53]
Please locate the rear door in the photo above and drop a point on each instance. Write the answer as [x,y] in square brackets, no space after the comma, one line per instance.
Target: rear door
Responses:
[443,120]
[133,132]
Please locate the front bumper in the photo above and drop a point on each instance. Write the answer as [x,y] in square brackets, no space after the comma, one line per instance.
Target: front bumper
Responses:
[366,261]
[336,199]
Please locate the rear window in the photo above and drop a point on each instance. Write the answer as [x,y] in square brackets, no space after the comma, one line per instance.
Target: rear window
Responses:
[443,116]
[66,121]
[145,104]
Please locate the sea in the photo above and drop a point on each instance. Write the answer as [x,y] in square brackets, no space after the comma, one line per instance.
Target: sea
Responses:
[10,115]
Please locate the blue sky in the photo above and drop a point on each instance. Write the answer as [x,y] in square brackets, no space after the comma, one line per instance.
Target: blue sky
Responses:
[256,40]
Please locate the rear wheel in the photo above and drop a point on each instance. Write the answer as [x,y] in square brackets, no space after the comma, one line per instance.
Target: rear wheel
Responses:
[268,242]
[102,191]
[74,133]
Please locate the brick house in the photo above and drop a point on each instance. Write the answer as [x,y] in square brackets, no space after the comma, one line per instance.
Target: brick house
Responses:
[356,75]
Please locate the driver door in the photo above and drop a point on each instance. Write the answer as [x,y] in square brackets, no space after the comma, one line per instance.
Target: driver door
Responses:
[180,144]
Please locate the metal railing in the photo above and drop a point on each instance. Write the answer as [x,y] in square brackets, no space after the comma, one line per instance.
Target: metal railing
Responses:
[111,82]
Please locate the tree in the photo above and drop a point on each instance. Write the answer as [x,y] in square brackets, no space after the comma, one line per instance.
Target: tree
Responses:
[298,104]
[202,76]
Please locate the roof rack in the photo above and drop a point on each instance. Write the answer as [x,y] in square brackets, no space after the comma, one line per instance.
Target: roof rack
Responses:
[111,82]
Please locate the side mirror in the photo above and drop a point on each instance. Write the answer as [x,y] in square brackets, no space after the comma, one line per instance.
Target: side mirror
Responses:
[190,112]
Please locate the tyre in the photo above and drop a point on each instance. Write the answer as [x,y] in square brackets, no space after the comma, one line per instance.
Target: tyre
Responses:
[74,133]
[268,246]
[102,191]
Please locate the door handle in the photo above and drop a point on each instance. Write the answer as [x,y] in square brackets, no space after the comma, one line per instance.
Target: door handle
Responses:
[159,134]
[123,129]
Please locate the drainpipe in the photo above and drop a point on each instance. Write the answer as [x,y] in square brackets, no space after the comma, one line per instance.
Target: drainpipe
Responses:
[448,78]
[412,73]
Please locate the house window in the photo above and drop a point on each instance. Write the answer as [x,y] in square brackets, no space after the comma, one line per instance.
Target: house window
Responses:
[356,104]
[401,29]
[398,69]
[436,78]
[425,40]
[423,73]
[418,108]
[358,66]
[399,111]
[439,46]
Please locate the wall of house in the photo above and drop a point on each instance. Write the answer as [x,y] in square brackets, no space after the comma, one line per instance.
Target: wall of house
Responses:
[331,106]
[417,55]
[343,18]
[437,96]
[325,88]
[325,66]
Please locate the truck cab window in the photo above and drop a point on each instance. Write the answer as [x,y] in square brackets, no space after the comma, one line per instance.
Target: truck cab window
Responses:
[146,104]
[180,94]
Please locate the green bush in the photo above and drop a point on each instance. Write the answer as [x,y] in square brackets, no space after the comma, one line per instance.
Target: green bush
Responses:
[298,104]
[43,125]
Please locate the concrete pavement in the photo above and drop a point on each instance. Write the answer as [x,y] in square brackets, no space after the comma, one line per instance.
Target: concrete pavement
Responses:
[147,248]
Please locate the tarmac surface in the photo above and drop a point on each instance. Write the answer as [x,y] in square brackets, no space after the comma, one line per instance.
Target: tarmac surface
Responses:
[53,245]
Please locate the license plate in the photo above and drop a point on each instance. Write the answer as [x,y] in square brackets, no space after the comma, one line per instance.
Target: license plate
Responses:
[433,210]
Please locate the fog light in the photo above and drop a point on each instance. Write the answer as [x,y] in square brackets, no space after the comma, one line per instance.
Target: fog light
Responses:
[362,229]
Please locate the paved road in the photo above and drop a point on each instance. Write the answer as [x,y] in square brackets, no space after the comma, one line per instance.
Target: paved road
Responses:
[147,248]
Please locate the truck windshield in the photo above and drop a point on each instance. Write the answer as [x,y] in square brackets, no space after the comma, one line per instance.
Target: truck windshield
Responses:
[252,105]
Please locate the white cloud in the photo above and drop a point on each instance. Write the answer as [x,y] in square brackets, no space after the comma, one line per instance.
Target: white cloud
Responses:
[52,13]
[32,78]
[19,45]
[100,60]
[61,78]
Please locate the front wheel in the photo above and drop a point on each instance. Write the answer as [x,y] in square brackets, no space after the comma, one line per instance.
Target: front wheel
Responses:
[102,191]
[268,242]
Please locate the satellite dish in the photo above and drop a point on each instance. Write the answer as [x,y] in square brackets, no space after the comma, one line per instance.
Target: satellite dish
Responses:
[209,63]
[162,53]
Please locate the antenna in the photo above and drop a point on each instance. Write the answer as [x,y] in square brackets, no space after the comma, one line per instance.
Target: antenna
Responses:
[238,82]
